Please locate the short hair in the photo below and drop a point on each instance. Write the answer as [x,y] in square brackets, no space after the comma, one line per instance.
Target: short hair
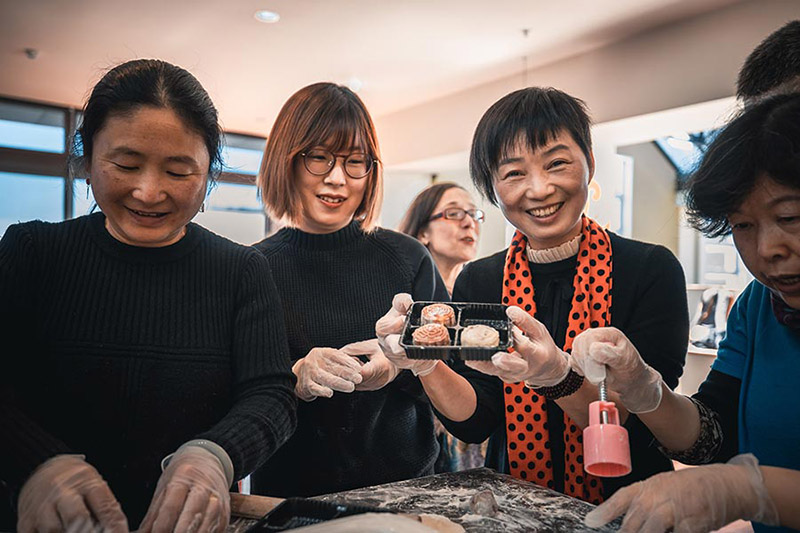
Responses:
[154,83]
[418,215]
[538,114]
[764,140]
[773,66]
[321,114]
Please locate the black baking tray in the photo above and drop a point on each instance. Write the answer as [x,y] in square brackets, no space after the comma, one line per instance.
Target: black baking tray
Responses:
[467,314]
[299,512]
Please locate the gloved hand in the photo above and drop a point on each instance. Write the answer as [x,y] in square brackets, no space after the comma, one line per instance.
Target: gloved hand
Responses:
[323,371]
[699,499]
[192,495]
[379,371]
[606,353]
[64,491]
[536,358]
[388,329]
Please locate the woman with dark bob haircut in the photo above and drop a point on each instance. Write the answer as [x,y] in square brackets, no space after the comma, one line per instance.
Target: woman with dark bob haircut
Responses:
[336,273]
[136,340]
[562,275]
[748,409]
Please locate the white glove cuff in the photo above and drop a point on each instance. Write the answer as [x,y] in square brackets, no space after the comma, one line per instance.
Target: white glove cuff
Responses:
[551,381]
[214,449]
[766,513]
[647,397]
[424,371]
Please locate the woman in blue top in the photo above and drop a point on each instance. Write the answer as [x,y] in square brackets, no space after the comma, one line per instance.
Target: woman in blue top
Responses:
[749,185]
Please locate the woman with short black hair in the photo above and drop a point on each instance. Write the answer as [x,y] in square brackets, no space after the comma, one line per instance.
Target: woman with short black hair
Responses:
[135,340]
[563,273]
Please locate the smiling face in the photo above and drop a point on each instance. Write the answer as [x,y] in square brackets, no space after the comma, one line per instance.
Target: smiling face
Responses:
[148,174]
[452,241]
[328,203]
[543,192]
[766,231]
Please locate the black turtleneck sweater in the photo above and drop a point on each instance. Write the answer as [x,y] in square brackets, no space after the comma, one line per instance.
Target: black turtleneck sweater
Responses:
[123,353]
[648,304]
[334,287]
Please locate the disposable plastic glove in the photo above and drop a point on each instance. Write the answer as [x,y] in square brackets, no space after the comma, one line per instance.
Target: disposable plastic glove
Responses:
[192,495]
[64,491]
[323,371]
[378,371]
[388,330]
[699,499]
[607,353]
[536,359]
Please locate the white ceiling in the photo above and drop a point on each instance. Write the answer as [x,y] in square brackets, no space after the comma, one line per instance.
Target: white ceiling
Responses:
[404,52]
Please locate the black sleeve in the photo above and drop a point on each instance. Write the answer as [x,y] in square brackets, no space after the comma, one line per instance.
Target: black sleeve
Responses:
[264,414]
[720,393]
[428,283]
[24,444]
[489,412]
[659,318]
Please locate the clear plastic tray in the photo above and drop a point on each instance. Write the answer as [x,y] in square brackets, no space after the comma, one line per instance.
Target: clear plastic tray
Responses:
[467,314]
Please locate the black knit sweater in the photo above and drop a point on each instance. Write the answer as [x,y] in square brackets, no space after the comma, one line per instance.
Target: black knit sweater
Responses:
[334,287]
[123,353]
[648,304]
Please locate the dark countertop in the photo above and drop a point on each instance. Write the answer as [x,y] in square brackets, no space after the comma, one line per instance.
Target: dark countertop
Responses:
[522,506]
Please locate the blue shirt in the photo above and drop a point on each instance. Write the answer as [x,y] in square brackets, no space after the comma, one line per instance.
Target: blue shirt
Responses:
[765,356]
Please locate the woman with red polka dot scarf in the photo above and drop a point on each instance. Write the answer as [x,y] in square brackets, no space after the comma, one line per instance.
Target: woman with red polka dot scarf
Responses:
[563,274]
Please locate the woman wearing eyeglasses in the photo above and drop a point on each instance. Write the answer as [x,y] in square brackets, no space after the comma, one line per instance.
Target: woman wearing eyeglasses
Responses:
[563,274]
[444,218]
[361,421]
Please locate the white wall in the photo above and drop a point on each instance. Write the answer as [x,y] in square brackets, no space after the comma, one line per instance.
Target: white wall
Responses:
[655,214]
[688,62]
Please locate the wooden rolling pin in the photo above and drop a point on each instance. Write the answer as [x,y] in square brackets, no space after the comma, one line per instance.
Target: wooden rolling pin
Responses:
[248,506]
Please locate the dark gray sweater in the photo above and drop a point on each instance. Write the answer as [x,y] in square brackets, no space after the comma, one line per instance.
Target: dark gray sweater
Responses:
[334,287]
[123,353]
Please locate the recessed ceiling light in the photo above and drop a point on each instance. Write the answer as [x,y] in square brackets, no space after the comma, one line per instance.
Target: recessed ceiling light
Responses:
[266,16]
[355,84]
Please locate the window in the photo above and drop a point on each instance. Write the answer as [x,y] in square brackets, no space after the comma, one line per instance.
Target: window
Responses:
[32,127]
[34,183]
[26,197]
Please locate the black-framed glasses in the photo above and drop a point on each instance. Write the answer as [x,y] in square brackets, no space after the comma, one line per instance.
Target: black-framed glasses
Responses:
[456,213]
[320,162]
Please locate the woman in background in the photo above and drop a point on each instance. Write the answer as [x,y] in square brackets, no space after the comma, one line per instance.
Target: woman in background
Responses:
[444,218]
[361,421]
[748,409]
[131,334]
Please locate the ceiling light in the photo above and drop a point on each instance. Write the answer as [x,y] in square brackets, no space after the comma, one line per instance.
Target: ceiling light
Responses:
[355,84]
[268,17]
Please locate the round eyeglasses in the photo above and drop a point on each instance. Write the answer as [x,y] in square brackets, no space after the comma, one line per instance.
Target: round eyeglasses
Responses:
[456,213]
[320,162]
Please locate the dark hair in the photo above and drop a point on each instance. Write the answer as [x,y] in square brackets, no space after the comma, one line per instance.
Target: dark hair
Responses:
[319,114]
[148,82]
[764,140]
[419,212]
[774,62]
[538,114]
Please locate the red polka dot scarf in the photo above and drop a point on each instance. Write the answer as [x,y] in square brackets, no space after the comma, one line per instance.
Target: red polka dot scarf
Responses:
[526,414]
